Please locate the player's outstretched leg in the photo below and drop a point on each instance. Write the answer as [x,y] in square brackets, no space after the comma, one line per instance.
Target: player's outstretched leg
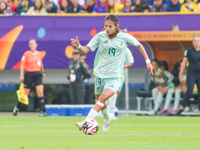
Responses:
[100,104]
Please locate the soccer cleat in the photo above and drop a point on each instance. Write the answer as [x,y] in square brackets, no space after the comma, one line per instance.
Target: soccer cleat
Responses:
[152,112]
[42,115]
[187,108]
[79,125]
[179,112]
[15,111]
[106,124]
[163,111]
[173,112]
[114,118]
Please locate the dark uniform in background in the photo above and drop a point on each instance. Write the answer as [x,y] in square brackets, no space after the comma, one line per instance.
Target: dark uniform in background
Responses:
[193,75]
[77,74]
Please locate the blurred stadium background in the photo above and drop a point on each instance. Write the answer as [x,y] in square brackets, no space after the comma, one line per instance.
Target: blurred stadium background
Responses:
[54,33]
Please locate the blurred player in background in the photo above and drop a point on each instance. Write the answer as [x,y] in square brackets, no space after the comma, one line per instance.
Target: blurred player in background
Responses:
[112,100]
[163,79]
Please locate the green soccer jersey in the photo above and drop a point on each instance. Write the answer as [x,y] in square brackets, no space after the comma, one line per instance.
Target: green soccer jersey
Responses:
[110,56]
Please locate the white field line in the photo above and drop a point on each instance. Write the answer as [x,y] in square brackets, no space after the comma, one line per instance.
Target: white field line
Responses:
[115,125]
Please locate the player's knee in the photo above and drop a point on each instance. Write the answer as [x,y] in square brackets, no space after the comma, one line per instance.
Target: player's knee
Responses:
[154,91]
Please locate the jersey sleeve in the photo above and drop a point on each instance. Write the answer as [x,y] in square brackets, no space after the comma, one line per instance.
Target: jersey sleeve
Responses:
[94,8]
[94,43]
[169,76]
[186,53]
[129,56]
[131,40]
[24,58]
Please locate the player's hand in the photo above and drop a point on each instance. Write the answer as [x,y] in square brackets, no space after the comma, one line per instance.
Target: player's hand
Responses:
[21,77]
[75,42]
[180,78]
[43,75]
[150,67]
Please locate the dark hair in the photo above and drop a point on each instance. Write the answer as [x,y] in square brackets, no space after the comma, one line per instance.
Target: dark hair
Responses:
[35,8]
[64,8]
[113,18]
[109,7]
[156,60]
[33,40]
[140,8]
[174,25]
[2,11]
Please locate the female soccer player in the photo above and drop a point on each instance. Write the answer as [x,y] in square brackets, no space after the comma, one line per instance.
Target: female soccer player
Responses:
[34,71]
[108,64]
[193,72]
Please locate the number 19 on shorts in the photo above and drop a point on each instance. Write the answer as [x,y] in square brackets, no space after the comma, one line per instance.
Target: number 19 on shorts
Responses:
[111,51]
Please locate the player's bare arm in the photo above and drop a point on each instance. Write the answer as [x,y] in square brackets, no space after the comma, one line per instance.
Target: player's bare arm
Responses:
[82,49]
[143,52]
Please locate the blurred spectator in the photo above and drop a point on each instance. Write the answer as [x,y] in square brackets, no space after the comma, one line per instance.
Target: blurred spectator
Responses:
[163,79]
[175,5]
[4,9]
[86,81]
[24,5]
[183,1]
[82,2]
[198,7]
[179,87]
[100,7]
[189,6]
[63,7]
[11,5]
[89,5]
[128,7]
[151,2]
[76,7]
[78,72]
[175,28]
[159,6]
[37,9]
[16,2]
[113,7]
[49,7]
[141,6]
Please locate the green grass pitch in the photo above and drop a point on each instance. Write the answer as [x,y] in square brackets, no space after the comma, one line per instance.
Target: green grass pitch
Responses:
[127,133]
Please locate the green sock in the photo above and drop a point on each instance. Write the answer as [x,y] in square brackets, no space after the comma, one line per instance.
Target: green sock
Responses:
[168,98]
[158,101]
[177,98]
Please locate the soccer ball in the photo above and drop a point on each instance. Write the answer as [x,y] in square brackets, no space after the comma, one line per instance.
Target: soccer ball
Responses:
[90,126]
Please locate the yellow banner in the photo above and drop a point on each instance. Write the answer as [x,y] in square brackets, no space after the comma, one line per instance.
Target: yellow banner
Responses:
[165,36]
[22,98]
